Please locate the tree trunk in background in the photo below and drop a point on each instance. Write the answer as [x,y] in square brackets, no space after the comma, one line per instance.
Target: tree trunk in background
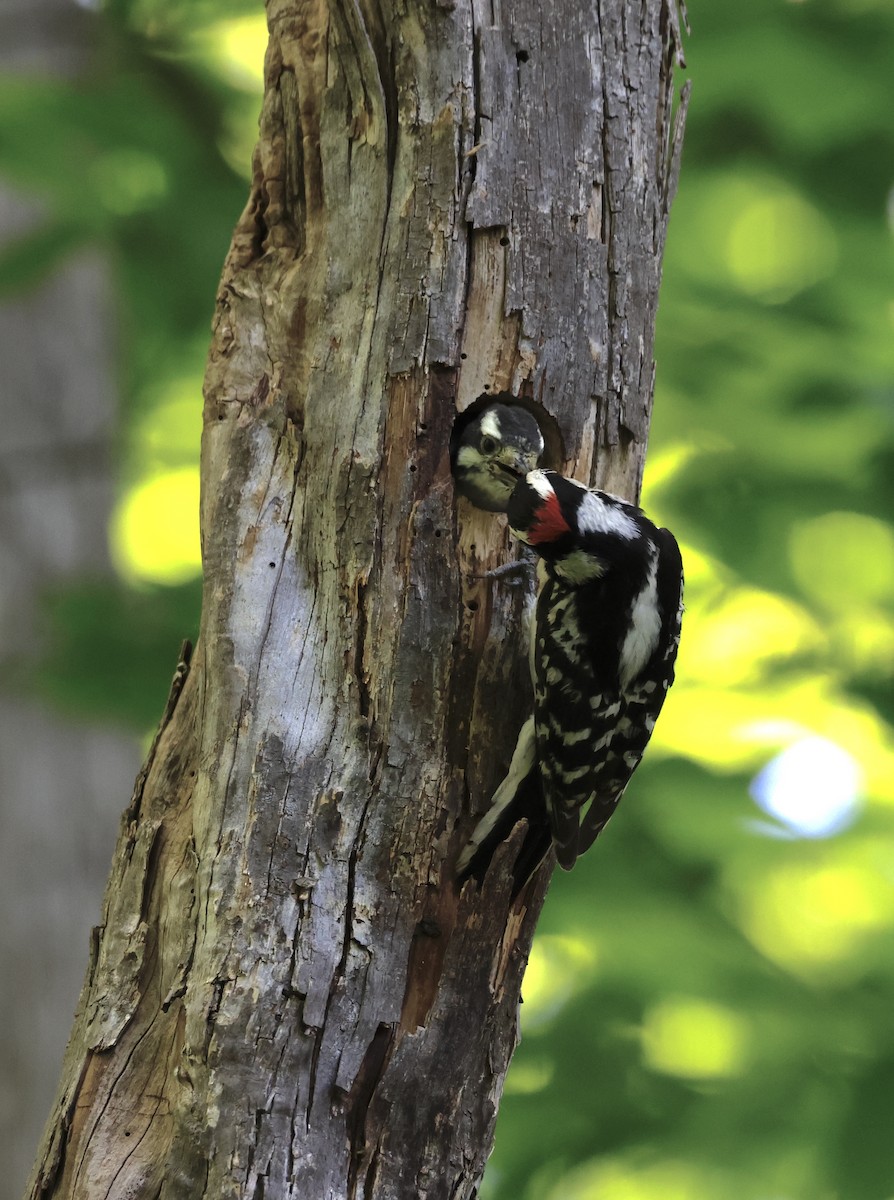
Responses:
[287,997]
[61,782]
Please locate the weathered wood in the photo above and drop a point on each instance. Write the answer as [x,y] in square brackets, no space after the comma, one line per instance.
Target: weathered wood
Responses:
[288,998]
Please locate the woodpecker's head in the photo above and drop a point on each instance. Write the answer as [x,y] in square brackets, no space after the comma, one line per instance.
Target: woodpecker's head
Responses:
[493,452]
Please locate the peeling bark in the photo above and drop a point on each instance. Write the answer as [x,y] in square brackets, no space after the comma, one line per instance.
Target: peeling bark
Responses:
[287,997]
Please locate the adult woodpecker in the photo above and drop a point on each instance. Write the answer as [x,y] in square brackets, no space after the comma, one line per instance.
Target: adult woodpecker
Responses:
[492,451]
[604,642]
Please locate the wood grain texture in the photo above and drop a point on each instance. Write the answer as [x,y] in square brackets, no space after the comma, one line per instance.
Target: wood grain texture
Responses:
[288,997]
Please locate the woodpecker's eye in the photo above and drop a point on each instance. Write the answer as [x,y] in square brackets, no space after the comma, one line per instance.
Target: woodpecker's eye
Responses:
[488,445]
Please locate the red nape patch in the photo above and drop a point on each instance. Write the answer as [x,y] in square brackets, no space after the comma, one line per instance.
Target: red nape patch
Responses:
[548,523]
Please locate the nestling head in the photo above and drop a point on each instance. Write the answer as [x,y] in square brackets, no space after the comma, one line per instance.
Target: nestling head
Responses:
[494,450]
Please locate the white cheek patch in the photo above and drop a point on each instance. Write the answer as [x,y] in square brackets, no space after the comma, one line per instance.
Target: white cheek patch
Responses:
[490,425]
[539,482]
[468,456]
[596,516]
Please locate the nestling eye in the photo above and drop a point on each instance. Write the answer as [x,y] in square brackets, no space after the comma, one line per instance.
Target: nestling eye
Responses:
[488,445]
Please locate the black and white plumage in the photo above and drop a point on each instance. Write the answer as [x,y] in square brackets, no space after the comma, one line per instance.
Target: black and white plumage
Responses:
[604,642]
[492,451]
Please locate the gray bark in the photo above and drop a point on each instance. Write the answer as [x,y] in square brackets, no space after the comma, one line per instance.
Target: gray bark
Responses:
[288,998]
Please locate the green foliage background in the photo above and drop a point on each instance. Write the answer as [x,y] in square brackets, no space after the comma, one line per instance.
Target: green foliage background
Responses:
[710,1004]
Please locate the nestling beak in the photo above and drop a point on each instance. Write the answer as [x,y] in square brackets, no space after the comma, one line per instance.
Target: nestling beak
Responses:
[513,466]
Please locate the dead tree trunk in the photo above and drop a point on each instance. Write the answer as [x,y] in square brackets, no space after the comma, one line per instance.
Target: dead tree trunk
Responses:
[287,997]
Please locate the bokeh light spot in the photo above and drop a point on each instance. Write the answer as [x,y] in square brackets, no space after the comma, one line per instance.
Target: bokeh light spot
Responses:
[734,638]
[238,47]
[843,558]
[864,641]
[812,787]
[814,920]
[155,530]
[779,244]
[169,434]
[620,1180]
[528,1078]
[129,181]
[693,1039]
[557,967]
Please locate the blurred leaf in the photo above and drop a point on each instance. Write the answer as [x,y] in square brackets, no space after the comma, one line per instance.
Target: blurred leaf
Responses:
[30,258]
[864,1167]
[111,650]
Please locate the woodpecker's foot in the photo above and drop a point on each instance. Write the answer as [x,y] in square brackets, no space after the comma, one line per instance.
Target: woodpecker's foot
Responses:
[519,568]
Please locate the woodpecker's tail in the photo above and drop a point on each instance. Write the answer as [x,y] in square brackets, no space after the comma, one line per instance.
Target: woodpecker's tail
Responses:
[519,797]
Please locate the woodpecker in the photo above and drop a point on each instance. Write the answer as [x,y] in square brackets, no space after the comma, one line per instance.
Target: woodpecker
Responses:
[490,453]
[603,645]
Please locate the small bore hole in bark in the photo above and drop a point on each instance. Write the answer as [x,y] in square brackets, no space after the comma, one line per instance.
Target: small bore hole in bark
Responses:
[422,425]
[437,533]
[504,241]
[472,606]
[464,356]
[412,466]
[271,564]
[521,56]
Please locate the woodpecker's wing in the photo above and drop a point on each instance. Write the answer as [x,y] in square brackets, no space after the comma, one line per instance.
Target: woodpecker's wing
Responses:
[591,733]
[575,716]
[519,797]
[642,700]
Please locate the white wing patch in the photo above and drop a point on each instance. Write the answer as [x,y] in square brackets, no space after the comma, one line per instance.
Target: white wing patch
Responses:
[645,628]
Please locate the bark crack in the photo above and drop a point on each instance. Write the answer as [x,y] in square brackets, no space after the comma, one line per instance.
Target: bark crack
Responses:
[372,1068]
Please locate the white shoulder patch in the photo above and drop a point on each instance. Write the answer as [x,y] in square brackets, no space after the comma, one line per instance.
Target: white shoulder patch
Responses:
[596,516]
